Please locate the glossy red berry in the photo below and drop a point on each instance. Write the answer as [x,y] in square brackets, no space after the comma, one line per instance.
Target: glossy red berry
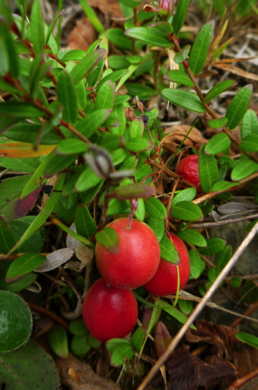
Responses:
[165,281]
[188,169]
[135,259]
[109,312]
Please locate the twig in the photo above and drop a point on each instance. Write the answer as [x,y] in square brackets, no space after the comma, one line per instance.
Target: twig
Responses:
[242,381]
[224,222]
[49,314]
[199,307]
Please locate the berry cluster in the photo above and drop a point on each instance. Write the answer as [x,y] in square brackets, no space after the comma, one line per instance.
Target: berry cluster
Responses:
[110,308]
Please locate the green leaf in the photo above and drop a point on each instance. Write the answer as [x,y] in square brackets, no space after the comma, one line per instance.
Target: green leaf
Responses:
[238,107]
[42,216]
[185,99]
[77,327]
[250,143]
[215,245]
[108,237]
[84,222]
[197,265]
[80,345]
[137,144]
[187,211]
[217,123]
[120,349]
[21,283]
[249,124]
[153,36]
[15,320]
[29,367]
[106,95]
[168,250]
[179,18]
[67,96]
[218,144]
[172,311]
[6,237]
[193,237]
[188,194]
[218,89]
[19,110]
[157,226]
[155,208]
[93,121]
[10,60]
[180,77]
[37,35]
[92,16]
[200,48]
[24,264]
[209,172]
[26,165]
[119,39]
[243,168]
[247,338]
[90,60]
[185,306]
[71,146]
[88,179]
[58,341]
[222,186]
[137,339]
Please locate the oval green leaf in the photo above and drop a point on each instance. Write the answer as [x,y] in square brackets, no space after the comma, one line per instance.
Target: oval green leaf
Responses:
[185,99]
[187,211]
[238,107]
[15,321]
[208,170]
[200,48]
[193,237]
[218,144]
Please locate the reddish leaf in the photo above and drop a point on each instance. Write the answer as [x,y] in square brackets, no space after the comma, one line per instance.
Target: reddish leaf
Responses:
[25,205]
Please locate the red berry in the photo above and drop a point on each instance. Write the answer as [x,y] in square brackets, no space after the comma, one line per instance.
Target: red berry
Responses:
[165,281]
[188,169]
[136,258]
[109,312]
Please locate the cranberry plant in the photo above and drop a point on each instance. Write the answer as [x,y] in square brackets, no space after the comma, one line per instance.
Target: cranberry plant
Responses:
[90,136]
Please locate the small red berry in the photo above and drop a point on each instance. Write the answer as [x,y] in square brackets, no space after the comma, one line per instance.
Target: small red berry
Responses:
[165,281]
[188,169]
[109,312]
[136,258]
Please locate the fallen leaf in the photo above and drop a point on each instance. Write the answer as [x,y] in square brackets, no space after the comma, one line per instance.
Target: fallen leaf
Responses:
[24,205]
[182,135]
[162,338]
[78,375]
[82,35]
[24,149]
[238,71]
[55,259]
[110,7]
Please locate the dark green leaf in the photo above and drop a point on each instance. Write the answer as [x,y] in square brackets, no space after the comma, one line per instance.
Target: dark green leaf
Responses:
[144,92]
[93,121]
[16,321]
[185,99]
[22,283]
[197,265]
[218,144]
[193,237]
[77,327]
[58,341]
[209,172]
[29,367]
[215,245]
[155,208]
[19,110]
[85,223]
[71,146]
[200,48]
[80,345]
[150,35]
[37,35]
[249,124]
[180,77]
[238,107]
[168,250]
[243,168]
[119,39]
[250,143]
[172,311]
[187,211]
[179,18]
[108,237]
[218,89]
[24,264]
[9,61]
[67,96]
[90,60]
[106,95]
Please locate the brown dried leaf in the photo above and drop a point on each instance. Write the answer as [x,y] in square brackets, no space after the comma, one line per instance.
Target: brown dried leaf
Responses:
[162,338]
[238,71]
[110,7]
[188,372]
[82,35]
[182,134]
[78,375]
